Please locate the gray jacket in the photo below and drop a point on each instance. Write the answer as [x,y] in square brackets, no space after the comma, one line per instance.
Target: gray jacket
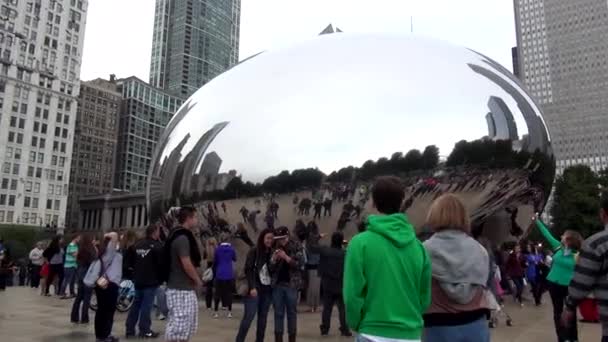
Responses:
[460,264]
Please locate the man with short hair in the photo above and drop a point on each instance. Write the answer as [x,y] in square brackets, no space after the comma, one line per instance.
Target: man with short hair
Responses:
[183,254]
[591,273]
[146,278]
[387,275]
[69,268]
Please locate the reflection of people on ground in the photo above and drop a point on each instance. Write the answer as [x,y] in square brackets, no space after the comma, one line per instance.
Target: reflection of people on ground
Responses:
[327,204]
[245,213]
[269,219]
[252,220]
[318,207]
[241,233]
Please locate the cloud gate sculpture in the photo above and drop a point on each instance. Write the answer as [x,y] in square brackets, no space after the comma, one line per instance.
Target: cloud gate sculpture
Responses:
[308,127]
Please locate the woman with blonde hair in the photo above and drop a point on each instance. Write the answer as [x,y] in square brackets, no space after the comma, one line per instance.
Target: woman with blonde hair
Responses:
[209,255]
[460,271]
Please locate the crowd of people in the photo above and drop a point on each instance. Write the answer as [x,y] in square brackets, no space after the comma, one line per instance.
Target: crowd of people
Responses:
[388,283]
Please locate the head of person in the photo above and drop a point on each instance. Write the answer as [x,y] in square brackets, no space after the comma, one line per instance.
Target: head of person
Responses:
[153,232]
[265,239]
[187,218]
[313,228]
[604,209]
[387,195]
[55,243]
[212,242]
[281,236]
[39,245]
[224,237]
[448,212]
[572,239]
[337,240]
[517,249]
[76,238]
[128,239]
[104,244]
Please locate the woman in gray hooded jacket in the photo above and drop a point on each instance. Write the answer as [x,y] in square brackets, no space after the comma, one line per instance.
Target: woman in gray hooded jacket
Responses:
[459,306]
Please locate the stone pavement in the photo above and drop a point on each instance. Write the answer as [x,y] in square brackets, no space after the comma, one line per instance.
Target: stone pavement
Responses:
[28,317]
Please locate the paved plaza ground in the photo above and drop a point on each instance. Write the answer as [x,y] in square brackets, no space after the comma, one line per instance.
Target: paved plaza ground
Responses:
[27,317]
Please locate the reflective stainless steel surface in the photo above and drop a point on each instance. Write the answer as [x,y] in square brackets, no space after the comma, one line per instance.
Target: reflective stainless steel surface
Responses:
[330,114]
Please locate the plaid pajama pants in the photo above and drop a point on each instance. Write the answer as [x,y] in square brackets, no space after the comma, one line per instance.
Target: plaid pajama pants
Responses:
[183,314]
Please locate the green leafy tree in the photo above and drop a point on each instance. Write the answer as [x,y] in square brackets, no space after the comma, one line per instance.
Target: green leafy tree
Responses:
[430,157]
[576,201]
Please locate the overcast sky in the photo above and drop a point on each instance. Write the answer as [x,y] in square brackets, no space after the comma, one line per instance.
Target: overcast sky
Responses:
[119,32]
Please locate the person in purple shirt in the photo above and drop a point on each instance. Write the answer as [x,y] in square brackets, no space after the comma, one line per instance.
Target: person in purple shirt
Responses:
[223,270]
[533,259]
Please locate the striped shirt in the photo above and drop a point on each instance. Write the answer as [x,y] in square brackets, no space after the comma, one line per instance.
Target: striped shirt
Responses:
[591,276]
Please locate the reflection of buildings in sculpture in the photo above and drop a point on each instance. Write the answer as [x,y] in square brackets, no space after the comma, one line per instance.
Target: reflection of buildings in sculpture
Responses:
[208,173]
[501,125]
[537,132]
[170,166]
[222,180]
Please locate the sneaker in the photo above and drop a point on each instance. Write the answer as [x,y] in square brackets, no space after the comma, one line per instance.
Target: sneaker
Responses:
[346,333]
[229,315]
[216,315]
[149,334]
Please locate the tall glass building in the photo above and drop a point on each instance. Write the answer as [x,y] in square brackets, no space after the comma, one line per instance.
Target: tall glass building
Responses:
[562,53]
[145,112]
[193,41]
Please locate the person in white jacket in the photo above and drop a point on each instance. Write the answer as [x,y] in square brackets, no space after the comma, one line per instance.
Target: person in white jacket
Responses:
[36,261]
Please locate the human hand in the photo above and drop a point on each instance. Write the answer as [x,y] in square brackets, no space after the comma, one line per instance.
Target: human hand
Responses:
[253,293]
[534,217]
[281,254]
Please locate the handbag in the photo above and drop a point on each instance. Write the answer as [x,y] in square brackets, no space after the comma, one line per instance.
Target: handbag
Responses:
[208,275]
[93,277]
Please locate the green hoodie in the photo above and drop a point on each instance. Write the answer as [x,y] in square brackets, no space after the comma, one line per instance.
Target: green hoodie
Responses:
[387,279]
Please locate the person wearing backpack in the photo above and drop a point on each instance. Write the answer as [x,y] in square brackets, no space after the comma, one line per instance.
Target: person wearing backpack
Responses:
[183,282]
[387,272]
[258,281]
[147,280]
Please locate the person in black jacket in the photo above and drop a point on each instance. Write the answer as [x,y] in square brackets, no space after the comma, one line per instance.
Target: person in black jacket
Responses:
[260,292]
[147,263]
[331,270]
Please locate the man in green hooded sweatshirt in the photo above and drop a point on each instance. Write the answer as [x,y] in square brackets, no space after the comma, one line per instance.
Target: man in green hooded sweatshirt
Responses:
[387,275]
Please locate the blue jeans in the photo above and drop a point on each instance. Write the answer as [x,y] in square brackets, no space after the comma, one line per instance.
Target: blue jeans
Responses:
[161,302]
[140,311]
[69,278]
[81,313]
[259,305]
[477,331]
[285,300]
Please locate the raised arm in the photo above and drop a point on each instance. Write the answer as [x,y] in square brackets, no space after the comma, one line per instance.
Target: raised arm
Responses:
[553,242]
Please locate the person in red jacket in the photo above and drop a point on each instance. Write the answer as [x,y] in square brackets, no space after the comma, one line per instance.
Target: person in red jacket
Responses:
[515,268]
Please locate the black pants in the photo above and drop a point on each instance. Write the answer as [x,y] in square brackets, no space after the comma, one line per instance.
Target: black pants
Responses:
[537,290]
[223,291]
[209,294]
[329,299]
[35,276]
[55,272]
[317,214]
[106,306]
[558,296]
[519,288]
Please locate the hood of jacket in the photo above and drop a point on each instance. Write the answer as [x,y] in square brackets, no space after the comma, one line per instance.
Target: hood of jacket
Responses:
[395,227]
[459,263]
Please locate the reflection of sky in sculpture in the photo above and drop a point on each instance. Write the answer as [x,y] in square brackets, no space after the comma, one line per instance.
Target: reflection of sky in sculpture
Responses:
[381,92]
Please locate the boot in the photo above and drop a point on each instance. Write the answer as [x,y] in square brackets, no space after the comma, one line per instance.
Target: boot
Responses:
[292,338]
[278,337]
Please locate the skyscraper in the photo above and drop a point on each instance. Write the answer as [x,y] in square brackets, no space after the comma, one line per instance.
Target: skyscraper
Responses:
[144,114]
[95,138]
[40,56]
[193,42]
[562,52]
